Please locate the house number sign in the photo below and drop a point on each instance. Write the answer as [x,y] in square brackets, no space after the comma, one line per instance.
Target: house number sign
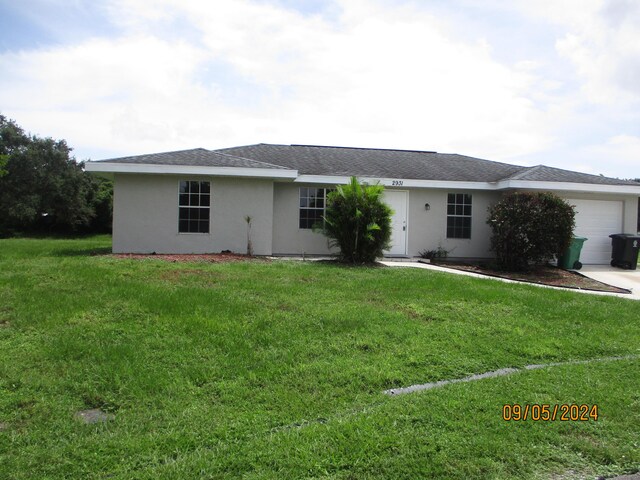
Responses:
[397,183]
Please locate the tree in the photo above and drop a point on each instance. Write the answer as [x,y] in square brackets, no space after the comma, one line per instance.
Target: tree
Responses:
[3,163]
[12,138]
[101,201]
[530,228]
[43,187]
[358,222]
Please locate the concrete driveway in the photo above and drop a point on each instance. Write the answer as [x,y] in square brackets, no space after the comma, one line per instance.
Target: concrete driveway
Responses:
[629,279]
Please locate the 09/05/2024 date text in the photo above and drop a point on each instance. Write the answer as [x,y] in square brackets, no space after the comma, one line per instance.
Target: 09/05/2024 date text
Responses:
[549,413]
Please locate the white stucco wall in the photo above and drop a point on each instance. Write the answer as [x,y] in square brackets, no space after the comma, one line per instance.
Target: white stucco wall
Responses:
[630,214]
[426,229]
[146,218]
[146,215]
[288,238]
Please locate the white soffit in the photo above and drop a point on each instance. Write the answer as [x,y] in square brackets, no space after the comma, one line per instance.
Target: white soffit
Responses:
[108,167]
[288,174]
[496,186]
[395,182]
[568,187]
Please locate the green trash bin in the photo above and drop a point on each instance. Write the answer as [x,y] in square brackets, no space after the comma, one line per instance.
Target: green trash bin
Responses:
[570,258]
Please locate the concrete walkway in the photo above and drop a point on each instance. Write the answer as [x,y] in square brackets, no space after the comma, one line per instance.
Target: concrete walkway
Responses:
[629,279]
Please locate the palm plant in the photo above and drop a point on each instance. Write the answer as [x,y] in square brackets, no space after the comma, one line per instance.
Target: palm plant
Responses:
[358,222]
[248,219]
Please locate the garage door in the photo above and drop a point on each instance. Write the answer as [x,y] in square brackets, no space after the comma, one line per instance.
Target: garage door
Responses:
[596,220]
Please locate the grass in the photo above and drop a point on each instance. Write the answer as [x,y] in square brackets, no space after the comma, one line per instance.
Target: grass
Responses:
[275,370]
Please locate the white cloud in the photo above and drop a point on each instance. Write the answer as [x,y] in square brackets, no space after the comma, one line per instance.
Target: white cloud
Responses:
[621,150]
[183,74]
[602,42]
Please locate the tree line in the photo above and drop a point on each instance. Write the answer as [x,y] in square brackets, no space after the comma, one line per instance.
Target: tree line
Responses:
[44,190]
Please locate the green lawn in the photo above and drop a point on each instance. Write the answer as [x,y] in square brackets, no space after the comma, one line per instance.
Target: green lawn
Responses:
[276,370]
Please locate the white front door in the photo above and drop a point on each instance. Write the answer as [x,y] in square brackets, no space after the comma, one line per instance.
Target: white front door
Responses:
[397,200]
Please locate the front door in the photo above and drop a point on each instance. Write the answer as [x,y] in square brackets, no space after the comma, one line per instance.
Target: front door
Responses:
[397,200]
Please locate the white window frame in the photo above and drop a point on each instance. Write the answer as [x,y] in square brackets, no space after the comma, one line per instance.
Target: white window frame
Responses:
[459,212]
[189,206]
[325,191]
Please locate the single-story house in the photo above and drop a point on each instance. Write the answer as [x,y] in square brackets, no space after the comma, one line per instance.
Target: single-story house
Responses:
[196,201]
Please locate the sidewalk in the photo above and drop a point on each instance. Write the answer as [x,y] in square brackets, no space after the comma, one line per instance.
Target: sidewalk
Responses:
[629,279]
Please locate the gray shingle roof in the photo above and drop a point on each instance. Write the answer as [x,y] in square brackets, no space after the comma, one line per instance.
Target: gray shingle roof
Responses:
[195,157]
[367,162]
[542,173]
[371,162]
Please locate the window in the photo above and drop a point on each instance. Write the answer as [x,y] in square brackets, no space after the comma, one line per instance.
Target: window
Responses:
[194,203]
[459,215]
[312,205]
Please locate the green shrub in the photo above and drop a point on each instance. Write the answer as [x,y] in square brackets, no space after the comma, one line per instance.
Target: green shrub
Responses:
[435,254]
[530,228]
[358,222]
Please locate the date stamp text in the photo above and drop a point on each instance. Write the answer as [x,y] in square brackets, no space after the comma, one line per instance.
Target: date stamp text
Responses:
[549,412]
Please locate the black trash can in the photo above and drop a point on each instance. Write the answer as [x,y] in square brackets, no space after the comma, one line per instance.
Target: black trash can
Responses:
[624,253]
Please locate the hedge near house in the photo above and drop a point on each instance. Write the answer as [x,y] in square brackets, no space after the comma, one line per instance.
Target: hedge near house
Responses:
[530,228]
[358,222]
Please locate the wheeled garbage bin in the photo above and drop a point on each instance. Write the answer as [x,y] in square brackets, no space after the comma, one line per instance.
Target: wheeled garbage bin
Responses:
[624,252]
[570,258]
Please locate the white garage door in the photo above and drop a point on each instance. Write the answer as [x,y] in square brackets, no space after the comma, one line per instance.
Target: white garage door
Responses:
[596,220]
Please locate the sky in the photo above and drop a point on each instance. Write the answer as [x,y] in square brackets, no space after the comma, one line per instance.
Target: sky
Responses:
[554,82]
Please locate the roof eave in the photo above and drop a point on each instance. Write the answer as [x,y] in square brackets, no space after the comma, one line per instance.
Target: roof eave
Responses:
[568,187]
[109,168]
[158,169]
[396,182]
[467,185]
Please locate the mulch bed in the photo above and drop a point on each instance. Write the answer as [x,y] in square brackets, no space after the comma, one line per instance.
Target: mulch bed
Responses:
[543,274]
[208,257]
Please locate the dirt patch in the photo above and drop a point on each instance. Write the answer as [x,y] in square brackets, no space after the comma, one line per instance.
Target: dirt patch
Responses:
[175,258]
[502,372]
[342,263]
[543,275]
[94,415]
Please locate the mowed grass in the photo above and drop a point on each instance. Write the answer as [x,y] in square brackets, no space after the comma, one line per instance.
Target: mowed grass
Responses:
[276,370]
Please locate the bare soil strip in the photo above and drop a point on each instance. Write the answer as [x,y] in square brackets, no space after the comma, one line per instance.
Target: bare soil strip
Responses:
[499,373]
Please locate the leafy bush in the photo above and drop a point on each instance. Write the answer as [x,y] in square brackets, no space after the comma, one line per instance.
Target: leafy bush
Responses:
[358,222]
[435,254]
[530,228]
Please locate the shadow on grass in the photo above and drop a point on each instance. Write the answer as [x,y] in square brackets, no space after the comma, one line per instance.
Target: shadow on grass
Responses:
[334,262]
[87,252]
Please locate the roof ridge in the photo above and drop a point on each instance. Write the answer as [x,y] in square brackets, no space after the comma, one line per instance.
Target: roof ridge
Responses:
[358,148]
[526,171]
[522,172]
[248,159]
[156,153]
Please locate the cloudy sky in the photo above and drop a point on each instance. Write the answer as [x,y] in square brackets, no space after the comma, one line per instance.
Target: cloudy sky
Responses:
[527,82]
